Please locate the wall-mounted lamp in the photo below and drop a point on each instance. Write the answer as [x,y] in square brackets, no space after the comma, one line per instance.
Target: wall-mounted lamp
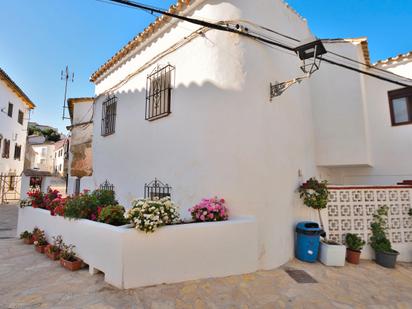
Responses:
[311,56]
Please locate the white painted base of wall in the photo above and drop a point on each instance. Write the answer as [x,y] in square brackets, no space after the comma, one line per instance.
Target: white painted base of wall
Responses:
[131,258]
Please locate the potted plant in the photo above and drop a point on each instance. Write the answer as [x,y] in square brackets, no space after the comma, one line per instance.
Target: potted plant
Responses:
[68,258]
[384,254]
[53,250]
[40,242]
[27,237]
[315,194]
[354,246]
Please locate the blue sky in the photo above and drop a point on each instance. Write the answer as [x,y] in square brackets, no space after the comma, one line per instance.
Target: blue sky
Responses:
[38,39]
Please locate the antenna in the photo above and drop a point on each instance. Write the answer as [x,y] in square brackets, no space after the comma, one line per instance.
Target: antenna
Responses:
[67,78]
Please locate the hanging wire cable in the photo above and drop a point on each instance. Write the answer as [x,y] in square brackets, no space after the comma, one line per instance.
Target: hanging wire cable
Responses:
[226,28]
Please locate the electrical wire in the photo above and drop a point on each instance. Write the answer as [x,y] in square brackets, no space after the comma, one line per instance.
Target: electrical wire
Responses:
[222,27]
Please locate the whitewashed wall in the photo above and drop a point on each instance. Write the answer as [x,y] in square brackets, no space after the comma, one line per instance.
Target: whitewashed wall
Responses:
[12,130]
[223,137]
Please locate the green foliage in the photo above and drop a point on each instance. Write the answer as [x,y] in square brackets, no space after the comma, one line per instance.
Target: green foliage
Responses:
[50,134]
[105,197]
[26,235]
[314,193]
[354,242]
[379,241]
[81,206]
[112,214]
[86,205]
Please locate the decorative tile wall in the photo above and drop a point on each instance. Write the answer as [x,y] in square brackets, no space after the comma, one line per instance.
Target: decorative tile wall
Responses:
[350,210]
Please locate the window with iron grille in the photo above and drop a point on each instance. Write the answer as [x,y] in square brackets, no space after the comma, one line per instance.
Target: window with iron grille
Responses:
[109,115]
[10,110]
[21,117]
[17,152]
[158,93]
[6,148]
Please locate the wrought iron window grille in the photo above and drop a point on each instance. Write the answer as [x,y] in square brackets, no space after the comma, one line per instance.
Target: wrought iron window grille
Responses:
[156,188]
[107,186]
[158,93]
[109,107]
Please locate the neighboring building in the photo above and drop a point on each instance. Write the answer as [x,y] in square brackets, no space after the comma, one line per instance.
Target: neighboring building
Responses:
[44,158]
[80,154]
[400,64]
[191,106]
[61,156]
[15,107]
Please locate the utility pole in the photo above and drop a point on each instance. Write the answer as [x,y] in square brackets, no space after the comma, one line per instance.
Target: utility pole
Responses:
[67,77]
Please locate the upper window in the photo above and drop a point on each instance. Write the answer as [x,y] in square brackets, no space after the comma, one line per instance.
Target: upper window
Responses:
[17,152]
[158,93]
[21,117]
[6,148]
[400,104]
[10,110]
[109,115]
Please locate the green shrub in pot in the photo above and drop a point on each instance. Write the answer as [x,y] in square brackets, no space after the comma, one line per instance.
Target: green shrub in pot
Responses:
[354,246]
[384,254]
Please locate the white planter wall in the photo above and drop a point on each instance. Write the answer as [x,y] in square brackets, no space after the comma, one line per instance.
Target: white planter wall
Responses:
[131,258]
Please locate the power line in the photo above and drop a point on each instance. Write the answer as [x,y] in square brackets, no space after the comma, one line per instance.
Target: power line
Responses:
[226,28]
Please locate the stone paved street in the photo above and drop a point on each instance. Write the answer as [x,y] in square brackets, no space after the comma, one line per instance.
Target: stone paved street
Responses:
[30,280]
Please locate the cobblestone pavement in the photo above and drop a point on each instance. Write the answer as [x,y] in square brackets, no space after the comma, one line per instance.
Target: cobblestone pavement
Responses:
[30,280]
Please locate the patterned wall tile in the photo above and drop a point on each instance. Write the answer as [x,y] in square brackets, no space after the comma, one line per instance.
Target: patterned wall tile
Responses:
[381,196]
[396,237]
[346,225]
[352,212]
[333,210]
[357,196]
[345,211]
[358,225]
[344,196]
[369,196]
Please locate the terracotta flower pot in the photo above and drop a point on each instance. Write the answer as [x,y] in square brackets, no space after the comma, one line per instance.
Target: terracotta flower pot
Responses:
[28,241]
[41,249]
[72,266]
[353,256]
[52,255]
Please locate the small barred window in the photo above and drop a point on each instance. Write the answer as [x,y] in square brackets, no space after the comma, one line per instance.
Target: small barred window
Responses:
[109,115]
[158,93]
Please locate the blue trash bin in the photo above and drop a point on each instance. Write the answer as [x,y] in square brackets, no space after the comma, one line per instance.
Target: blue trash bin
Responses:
[307,241]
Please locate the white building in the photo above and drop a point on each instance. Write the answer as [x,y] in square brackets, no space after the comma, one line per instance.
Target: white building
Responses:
[44,156]
[14,115]
[191,106]
[400,64]
[60,161]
